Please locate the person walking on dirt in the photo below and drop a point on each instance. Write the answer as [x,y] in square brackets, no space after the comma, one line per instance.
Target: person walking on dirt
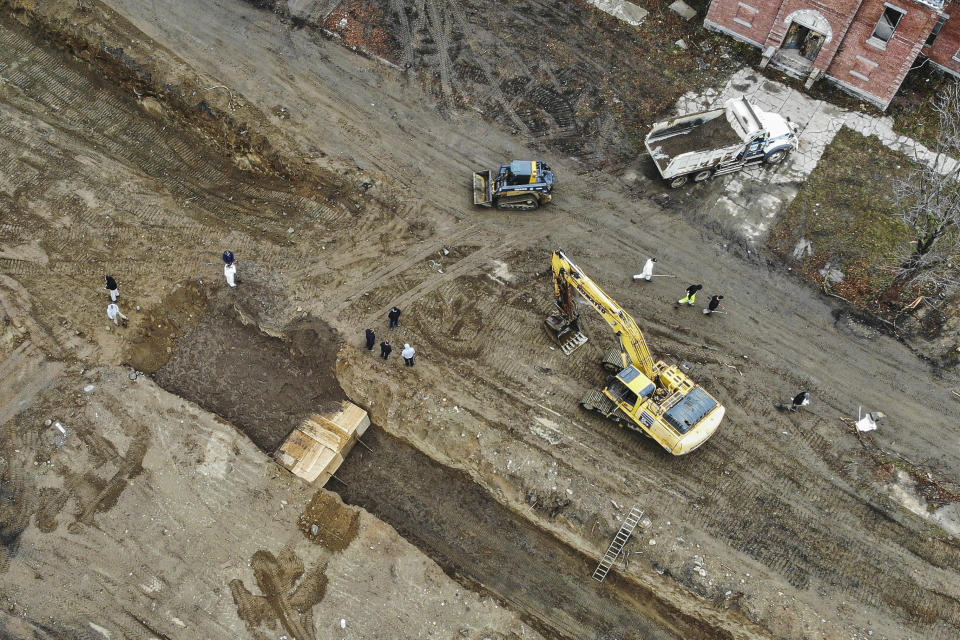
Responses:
[408,353]
[113,312]
[229,268]
[385,349]
[713,304]
[802,399]
[691,296]
[371,339]
[647,273]
[394,316]
[112,288]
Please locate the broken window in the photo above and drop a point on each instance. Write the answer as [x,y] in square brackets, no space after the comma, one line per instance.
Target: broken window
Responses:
[936,31]
[888,24]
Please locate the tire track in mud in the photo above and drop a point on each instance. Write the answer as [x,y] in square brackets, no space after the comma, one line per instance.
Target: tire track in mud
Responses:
[289,594]
[117,127]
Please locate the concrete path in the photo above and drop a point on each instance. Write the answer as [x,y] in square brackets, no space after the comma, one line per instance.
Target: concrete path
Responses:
[755,197]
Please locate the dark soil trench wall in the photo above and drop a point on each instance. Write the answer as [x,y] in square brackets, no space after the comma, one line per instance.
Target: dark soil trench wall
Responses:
[263,385]
[483,544]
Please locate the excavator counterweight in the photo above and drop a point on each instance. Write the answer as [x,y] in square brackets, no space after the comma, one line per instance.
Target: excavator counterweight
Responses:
[655,398]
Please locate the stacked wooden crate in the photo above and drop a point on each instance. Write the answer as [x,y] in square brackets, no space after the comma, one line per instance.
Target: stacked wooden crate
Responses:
[315,449]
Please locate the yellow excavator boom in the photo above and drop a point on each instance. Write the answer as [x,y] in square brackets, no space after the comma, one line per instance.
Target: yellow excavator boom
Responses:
[648,396]
[626,328]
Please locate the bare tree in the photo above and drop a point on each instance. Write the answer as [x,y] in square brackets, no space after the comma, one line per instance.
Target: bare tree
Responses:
[928,202]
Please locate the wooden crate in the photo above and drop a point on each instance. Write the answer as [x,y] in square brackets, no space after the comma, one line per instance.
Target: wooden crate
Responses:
[315,449]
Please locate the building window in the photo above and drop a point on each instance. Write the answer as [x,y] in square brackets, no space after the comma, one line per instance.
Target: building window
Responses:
[942,20]
[745,14]
[887,25]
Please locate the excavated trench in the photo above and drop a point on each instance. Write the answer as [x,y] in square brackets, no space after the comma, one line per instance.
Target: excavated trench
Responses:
[265,384]
[484,545]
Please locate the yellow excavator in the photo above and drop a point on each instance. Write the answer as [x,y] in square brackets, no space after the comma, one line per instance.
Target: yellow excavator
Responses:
[654,398]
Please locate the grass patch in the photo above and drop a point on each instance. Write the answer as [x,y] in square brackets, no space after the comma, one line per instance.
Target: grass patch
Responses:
[911,109]
[845,210]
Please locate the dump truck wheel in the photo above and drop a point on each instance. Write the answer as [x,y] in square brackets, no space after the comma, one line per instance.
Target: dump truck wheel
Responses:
[776,156]
[700,176]
[679,181]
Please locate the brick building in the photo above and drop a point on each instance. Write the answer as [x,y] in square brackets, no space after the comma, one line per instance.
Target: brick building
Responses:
[867,47]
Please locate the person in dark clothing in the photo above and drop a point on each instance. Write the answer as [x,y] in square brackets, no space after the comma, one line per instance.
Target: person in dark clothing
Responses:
[371,339]
[691,296]
[385,349]
[802,399]
[112,288]
[713,305]
[394,316]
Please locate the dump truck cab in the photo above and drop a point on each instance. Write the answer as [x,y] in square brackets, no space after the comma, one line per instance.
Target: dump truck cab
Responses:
[522,185]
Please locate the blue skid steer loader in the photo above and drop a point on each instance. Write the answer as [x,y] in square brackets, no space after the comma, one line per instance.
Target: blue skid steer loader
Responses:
[518,186]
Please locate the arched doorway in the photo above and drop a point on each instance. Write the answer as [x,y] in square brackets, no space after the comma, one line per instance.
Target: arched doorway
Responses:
[807,32]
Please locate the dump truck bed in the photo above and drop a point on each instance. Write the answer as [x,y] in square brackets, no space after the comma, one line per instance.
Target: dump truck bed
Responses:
[694,133]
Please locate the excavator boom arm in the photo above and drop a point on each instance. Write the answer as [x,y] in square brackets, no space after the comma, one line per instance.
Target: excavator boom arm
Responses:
[631,338]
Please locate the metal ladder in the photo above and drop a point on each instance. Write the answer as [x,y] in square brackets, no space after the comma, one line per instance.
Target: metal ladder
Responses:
[616,547]
[573,343]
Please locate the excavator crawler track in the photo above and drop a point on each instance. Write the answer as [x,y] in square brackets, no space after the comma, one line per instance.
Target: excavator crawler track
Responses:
[596,401]
[613,361]
[518,203]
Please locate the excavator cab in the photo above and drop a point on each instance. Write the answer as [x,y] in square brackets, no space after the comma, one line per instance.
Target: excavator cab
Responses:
[629,386]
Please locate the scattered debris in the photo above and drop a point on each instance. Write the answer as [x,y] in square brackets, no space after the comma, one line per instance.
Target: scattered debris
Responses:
[683,10]
[869,421]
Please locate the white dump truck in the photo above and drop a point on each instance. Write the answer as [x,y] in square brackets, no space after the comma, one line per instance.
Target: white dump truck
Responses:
[701,145]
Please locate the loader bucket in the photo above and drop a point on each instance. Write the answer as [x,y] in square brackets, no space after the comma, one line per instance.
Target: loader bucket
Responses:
[483,188]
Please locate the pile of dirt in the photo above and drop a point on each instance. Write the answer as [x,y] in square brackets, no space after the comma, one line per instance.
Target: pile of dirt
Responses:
[712,134]
[336,524]
[156,333]
[262,384]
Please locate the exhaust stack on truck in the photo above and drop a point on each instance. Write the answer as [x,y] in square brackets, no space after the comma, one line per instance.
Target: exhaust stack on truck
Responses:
[701,145]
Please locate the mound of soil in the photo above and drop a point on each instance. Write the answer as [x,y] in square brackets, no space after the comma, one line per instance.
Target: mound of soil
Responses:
[262,384]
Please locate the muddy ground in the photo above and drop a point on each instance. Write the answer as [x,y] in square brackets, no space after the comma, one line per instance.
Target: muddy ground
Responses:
[342,183]
[230,368]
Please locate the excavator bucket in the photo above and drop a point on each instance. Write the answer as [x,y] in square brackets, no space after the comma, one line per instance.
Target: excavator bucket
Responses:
[483,188]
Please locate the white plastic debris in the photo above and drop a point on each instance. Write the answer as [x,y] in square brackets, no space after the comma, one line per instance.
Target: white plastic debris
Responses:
[343,623]
[88,388]
[869,421]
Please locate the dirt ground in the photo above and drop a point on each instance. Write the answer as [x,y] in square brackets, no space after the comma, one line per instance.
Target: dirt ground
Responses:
[342,183]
